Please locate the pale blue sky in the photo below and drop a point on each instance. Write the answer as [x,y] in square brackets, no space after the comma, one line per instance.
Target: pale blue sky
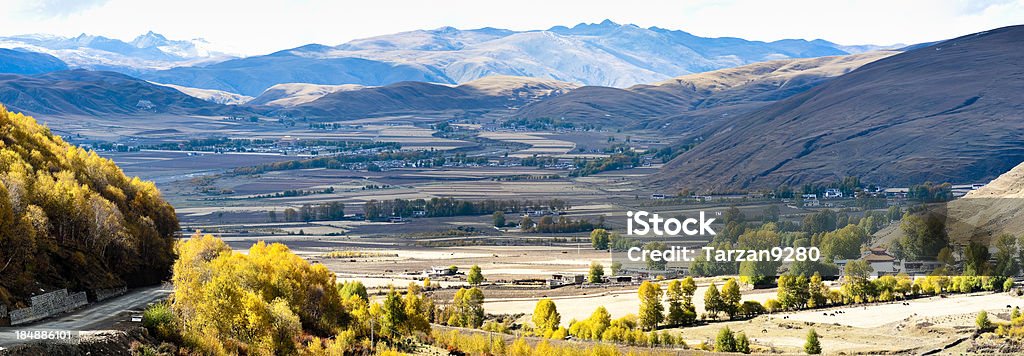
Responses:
[256,26]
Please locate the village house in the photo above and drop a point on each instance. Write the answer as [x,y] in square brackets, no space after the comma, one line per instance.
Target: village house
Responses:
[564,279]
[438,271]
[810,200]
[882,263]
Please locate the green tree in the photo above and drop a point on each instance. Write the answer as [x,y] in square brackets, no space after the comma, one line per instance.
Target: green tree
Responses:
[924,236]
[818,292]
[764,238]
[596,273]
[976,257]
[651,308]
[843,243]
[475,276]
[393,316]
[982,321]
[353,288]
[689,288]
[821,221]
[742,343]
[894,213]
[616,267]
[1006,250]
[793,292]
[856,284]
[713,301]
[545,316]
[812,346]
[674,293]
[751,308]
[499,219]
[731,298]
[468,306]
[725,341]
[599,239]
[526,224]
[418,311]
[656,264]
[681,310]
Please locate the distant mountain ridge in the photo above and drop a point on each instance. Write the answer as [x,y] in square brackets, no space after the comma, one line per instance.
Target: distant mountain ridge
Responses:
[485,94]
[98,93]
[949,112]
[606,54]
[211,95]
[689,102]
[292,94]
[149,51]
[17,61]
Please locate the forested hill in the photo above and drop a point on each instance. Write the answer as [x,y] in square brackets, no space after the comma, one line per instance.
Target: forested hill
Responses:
[71,219]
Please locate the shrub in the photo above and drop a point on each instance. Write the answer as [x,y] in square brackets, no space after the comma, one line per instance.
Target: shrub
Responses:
[812,346]
[725,341]
[158,318]
[982,321]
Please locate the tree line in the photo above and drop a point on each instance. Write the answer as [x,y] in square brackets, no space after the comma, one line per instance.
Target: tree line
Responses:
[309,212]
[440,207]
[271,301]
[338,161]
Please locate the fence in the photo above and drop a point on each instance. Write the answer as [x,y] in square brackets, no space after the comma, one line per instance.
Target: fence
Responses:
[49,304]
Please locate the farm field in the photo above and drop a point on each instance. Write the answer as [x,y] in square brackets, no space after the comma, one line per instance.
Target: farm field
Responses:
[925,325]
[238,208]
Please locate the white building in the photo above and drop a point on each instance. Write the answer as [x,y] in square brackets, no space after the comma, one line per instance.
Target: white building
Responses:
[437,271]
[810,200]
[833,193]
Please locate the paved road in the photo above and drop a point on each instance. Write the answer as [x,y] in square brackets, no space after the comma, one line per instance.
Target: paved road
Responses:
[95,316]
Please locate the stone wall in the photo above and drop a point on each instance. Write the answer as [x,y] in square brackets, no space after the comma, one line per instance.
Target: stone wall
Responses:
[49,304]
[104,294]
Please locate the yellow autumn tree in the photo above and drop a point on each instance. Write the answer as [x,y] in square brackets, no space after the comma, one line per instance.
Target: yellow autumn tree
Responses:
[229,302]
[72,219]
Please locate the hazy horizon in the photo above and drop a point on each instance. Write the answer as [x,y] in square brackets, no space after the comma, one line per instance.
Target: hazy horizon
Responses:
[260,27]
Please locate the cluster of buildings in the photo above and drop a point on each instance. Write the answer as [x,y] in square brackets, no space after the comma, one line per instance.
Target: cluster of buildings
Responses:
[811,200]
[625,276]
[882,263]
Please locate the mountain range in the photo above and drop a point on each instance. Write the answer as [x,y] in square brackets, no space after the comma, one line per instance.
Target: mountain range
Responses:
[689,102]
[147,52]
[481,95]
[98,93]
[292,94]
[945,111]
[606,54]
[949,112]
[16,61]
